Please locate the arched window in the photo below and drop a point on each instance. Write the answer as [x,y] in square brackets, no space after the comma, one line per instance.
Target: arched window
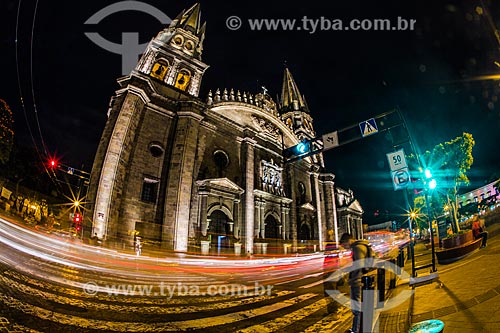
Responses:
[159,70]
[221,161]
[156,149]
[183,79]
[302,193]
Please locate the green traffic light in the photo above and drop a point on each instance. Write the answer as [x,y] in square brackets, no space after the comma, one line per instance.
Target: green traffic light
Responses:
[432,184]
[302,147]
[428,173]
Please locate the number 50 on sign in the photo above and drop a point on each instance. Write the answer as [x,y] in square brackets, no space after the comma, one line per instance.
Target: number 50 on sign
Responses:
[397,160]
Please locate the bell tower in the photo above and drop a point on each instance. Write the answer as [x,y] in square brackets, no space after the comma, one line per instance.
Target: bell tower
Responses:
[173,57]
[145,159]
[294,109]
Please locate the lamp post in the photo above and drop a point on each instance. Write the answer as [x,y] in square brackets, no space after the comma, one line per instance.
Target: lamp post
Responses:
[431,184]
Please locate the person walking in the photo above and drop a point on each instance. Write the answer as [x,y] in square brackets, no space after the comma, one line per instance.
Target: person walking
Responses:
[360,250]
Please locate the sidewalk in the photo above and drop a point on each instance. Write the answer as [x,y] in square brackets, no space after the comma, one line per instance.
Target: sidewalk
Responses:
[466,299]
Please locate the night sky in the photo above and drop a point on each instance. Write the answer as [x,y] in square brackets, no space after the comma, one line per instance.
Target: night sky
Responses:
[434,74]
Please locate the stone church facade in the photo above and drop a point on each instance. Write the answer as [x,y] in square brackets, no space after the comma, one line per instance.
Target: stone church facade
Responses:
[180,169]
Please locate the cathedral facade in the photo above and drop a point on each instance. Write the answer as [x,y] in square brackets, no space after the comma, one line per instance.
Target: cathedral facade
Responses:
[180,169]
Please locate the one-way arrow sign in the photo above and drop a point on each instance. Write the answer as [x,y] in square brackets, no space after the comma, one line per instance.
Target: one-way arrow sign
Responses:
[330,140]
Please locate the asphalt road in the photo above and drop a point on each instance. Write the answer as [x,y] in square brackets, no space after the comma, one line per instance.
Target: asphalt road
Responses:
[53,284]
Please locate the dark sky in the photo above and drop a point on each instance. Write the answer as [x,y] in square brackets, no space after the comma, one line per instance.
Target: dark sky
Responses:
[430,73]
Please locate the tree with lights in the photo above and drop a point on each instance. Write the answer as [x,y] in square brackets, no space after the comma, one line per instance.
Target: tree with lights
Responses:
[6,132]
[449,163]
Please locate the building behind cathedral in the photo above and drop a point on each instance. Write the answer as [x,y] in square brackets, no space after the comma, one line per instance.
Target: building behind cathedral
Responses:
[180,169]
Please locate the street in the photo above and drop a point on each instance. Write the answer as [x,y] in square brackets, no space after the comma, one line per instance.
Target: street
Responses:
[54,285]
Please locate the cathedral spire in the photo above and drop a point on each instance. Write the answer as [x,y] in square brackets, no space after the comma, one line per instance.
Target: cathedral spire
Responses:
[185,32]
[291,99]
[174,56]
[191,19]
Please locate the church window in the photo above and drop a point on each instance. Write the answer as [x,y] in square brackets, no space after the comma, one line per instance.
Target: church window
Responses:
[221,161]
[178,40]
[159,70]
[302,193]
[149,189]
[155,149]
[182,80]
[189,45]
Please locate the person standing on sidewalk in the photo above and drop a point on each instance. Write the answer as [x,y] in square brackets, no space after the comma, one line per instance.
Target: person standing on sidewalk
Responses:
[478,230]
[359,250]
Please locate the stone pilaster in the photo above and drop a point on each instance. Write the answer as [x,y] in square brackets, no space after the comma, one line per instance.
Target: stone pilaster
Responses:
[114,168]
[284,227]
[180,180]
[203,213]
[262,221]
[249,146]
[236,218]
[319,211]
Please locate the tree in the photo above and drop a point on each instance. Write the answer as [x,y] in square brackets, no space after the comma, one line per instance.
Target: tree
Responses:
[6,132]
[449,163]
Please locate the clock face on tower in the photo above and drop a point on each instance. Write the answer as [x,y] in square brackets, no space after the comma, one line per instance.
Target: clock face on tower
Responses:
[182,80]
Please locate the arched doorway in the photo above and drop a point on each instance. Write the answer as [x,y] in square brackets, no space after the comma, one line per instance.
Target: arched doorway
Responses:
[272,233]
[219,229]
[304,232]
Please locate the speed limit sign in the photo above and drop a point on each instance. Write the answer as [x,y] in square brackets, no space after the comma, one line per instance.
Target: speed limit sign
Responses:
[397,160]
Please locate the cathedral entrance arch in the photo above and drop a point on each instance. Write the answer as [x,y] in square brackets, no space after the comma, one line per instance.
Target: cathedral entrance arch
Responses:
[272,232]
[218,229]
[304,232]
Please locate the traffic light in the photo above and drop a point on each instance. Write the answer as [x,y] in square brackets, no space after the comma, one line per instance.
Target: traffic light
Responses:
[53,163]
[302,148]
[77,218]
[430,181]
[77,221]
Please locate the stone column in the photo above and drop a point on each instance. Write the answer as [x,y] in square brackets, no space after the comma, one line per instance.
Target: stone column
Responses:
[284,228]
[249,146]
[256,231]
[288,223]
[262,223]
[236,218]
[294,216]
[203,212]
[319,211]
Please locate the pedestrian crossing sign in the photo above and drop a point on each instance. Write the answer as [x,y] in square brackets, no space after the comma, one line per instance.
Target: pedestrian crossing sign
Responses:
[368,127]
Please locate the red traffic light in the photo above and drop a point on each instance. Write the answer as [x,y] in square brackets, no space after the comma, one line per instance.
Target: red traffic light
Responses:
[52,163]
[77,218]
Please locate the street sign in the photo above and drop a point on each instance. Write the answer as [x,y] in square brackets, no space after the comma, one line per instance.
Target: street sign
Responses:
[397,160]
[368,127]
[330,140]
[400,178]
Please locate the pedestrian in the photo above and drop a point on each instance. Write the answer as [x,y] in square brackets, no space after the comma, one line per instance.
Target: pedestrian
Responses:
[478,230]
[359,250]
[138,246]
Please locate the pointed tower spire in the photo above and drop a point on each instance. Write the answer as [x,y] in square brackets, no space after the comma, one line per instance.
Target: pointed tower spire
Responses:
[291,99]
[191,19]
[185,32]
[294,110]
